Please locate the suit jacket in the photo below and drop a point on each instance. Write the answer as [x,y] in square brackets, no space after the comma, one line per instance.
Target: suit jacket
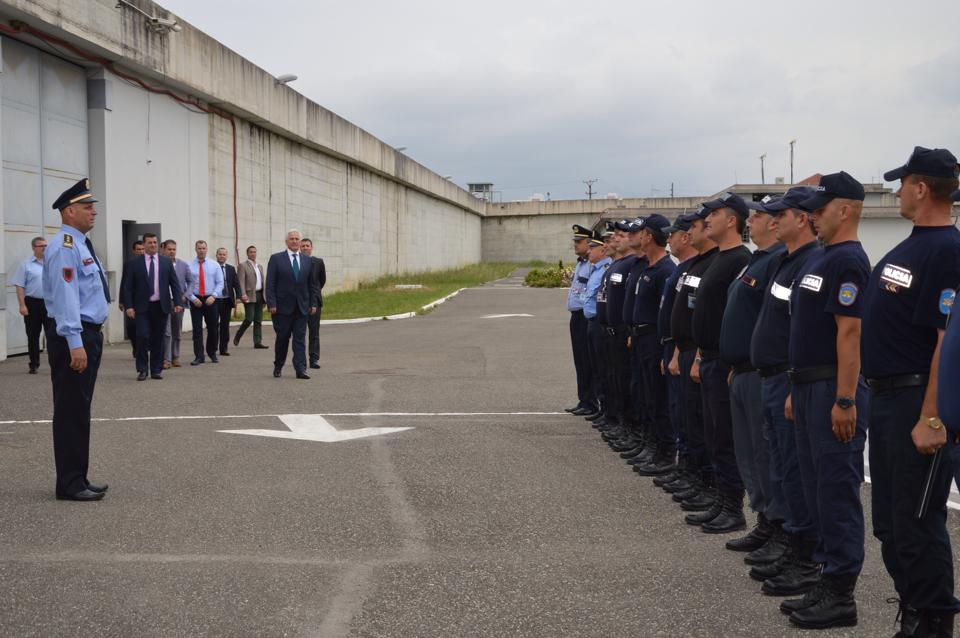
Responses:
[247,280]
[285,293]
[319,272]
[185,278]
[231,285]
[137,287]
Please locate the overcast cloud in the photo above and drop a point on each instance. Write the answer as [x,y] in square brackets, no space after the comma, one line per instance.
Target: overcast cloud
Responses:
[536,96]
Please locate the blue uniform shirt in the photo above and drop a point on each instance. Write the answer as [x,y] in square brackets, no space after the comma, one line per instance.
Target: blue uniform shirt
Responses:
[212,277]
[72,289]
[649,290]
[769,345]
[948,376]
[829,284]
[579,284]
[29,276]
[630,290]
[671,288]
[744,298]
[907,301]
[616,290]
[593,287]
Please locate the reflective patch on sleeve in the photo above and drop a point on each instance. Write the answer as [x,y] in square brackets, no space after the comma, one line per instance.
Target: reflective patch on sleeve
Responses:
[947,297]
[68,275]
[848,294]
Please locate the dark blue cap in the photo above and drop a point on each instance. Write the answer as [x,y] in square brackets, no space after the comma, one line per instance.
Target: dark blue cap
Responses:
[728,200]
[832,186]
[656,224]
[79,193]
[579,232]
[610,225]
[629,225]
[596,238]
[935,162]
[682,223]
[793,198]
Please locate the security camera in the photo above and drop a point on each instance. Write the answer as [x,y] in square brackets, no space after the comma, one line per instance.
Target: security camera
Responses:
[163,24]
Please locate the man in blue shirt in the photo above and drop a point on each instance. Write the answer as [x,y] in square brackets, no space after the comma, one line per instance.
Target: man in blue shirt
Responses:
[77,298]
[906,304]
[207,286]
[599,260]
[28,281]
[586,403]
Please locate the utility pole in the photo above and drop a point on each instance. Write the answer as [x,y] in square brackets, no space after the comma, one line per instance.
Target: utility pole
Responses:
[763,178]
[792,142]
[590,182]
[671,190]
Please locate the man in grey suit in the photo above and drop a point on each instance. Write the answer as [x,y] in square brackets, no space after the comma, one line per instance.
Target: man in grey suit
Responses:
[291,299]
[171,336]
[251,280]
[319,280]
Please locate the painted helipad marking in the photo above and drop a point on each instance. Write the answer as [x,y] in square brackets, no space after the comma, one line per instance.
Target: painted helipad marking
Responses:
[313,427]
[504,316]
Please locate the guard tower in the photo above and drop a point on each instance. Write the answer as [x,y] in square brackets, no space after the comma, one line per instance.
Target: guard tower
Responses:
[483,190]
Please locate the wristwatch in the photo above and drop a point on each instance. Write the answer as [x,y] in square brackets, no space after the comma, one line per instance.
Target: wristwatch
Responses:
[845,403]
[934,422]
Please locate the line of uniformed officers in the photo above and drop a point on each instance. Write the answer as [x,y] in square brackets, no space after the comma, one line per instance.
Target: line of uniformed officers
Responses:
[728,374]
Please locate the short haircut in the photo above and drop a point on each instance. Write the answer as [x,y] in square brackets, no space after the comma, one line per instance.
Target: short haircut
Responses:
[221,248]
[292,231]
[138,242]
[307,239]
[941,188]
[147,236]
[169,242]
[198,242]
[33,242]
[251,246]
[658,238]
[741,224]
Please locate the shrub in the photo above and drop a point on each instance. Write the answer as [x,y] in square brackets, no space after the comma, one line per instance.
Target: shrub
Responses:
[554,277]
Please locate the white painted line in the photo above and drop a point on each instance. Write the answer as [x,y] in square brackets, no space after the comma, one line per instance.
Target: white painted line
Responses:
[504,316]
[186,417]
[313,427]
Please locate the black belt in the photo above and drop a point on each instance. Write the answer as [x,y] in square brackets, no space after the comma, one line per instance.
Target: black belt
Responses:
[643,329]
[900,381]
[96,327]
[29,298]
[576,311]
[809,375]
[740,368]
[709,355]
[772,371]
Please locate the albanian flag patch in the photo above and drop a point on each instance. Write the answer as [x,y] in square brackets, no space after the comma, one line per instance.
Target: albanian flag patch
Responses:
[68,275]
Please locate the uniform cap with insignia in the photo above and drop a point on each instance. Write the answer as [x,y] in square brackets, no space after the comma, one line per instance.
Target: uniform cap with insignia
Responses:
[656,224]
[793,198]
[79,193]
[728,200]
[933,162]
[579,232]
[835,185]
[628,225]
[682,223]
[596,238]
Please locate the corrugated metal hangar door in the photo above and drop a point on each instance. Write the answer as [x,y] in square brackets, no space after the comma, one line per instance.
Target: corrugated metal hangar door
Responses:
[43,144]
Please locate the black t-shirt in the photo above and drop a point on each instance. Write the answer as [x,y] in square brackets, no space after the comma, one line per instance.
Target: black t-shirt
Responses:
[830,283]
[712,296]
[682,315]
[671,287]
[907,301]
[770,343]
[630,289]
[648,291]
[616,278]
[744,298]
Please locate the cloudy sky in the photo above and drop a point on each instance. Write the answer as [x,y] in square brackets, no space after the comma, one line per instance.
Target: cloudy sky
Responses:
[536,96]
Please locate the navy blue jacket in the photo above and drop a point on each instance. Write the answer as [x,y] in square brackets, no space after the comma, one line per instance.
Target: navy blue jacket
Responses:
[137,288]
[283,292]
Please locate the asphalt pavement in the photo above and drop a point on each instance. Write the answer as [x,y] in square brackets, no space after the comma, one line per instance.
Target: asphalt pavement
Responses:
[494,514]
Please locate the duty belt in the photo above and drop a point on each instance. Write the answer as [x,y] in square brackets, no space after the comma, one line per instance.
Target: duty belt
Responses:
[809,375]
[772,371]
[740,368]
[643,329]
[900,381]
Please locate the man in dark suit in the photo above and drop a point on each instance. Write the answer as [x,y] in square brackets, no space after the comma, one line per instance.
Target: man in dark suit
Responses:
[130,325]
[319,280]
[227,301]
[149,291]
[291,299]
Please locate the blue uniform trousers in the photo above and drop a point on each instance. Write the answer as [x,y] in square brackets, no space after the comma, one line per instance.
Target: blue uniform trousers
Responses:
[718,425]
[832,473]
[750,443]
[638,397]
[916,553]
[581,356]
[785,483]
[596,339]
[674,402]
[698,458]
[654,386]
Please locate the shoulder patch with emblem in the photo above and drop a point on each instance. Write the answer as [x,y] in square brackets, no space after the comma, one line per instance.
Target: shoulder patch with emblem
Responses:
[848,294]
[947,297]
[88,261]
[67,240]
[68,275]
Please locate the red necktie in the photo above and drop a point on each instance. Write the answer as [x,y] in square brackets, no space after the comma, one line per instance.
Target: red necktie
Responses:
[203,285]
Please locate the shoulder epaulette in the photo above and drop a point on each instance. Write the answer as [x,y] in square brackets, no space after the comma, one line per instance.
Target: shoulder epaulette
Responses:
[67,240]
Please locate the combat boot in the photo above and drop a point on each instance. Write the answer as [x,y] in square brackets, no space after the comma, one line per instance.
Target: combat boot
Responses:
[660,464]
[730,518]
[755,539]
[701,502]
[909,619]
[937,624]
[809,599]
[682,483]
[673,475]
[798,576]
[707,515]
[763,572]
[836,607]
[771,550]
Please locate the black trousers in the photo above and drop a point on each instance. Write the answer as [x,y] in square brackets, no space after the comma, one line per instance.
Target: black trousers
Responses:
[72,397]
[224,312]
[209,315]
[596,341]
[718,425]
[692,397]
[313,327]
[581,359]
[130,325]
[34,323]
[916,553]
[151,326]
[619,376]
[287,327]
[654,387]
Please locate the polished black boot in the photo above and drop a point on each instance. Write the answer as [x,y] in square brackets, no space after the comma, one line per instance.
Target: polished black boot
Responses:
[763,572]
[936,624]
[673,475]
[701,502]
[705,516]
[661,463]
[909,619]
[731,516]
[755,539]
[770,551]
[799,575]
[681,484]
[809,599]
[836,607]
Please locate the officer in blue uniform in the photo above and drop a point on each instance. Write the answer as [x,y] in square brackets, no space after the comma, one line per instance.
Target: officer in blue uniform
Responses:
[599,258]
[608,415]
[783,571]
[905,309]
[586,403]
[829,400]
[76,295]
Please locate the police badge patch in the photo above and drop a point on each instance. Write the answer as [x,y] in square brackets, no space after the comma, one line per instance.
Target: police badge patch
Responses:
[68,275]
[848,294]
[947,297]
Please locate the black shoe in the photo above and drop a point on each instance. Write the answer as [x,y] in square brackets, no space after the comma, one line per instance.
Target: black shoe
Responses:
[142,375]
[32,370]
[594,417]
[935,624]
[756,539]
[224,354]
[214,359]
[799,577]
[770,551]
[700,518]
[260,346]
[836,607]
[730,518]
[795,548]
[303,375]
[632,452]
[82,495]
[197,361]
[99,489]
[571,410]
[592,413]
[584,411]
[810,598]
[702,501]
[156,375]
[314,365]
[236,340]
[276,372]
[682,484]
[658,466]
[669,477]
